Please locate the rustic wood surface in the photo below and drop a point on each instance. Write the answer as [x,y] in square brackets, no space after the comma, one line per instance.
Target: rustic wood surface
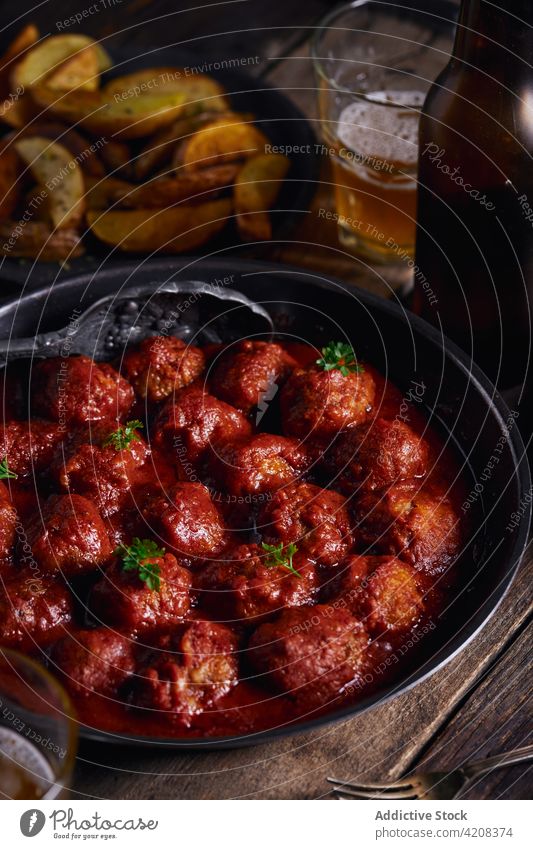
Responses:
[475,706]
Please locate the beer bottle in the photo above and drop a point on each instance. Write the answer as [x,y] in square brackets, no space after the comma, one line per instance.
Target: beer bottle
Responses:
[474,244]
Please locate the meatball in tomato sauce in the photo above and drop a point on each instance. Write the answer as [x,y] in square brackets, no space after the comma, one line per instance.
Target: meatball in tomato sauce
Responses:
[245,585]
[120,598]
[187,521]
[316,520]
[262,463]
[249,371]
[202,668]
[317,404]
[34,611]
[376,455]
[104,474]
[8,530]
[310,654]
[417,524]
[78,391]
[194,425]
[29,447]
[162,365]
[221,539]
[69,537]
[94,661]
[384,592]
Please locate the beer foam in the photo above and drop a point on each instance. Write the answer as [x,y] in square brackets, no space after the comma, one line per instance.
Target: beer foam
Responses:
[21,757]
[372,130]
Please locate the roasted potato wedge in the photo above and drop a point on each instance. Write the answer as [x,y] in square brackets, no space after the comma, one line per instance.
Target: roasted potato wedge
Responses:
[133,118]
[173,230]
[46,57]
[201,93]
[167,143]
[116,155]
[56,131]
[102,193]
[38,204]
[85,153]
[160,147]
[256,188]
[10,189]
[222,140]
[78,71]
[35,240]
[58,174]
[17,111]
[26,38]
[165,191]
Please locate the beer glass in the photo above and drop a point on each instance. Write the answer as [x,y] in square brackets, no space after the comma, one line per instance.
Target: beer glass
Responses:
[374,63]
[38,732]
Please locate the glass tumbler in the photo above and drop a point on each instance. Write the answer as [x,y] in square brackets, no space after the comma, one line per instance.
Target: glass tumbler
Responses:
[374,63]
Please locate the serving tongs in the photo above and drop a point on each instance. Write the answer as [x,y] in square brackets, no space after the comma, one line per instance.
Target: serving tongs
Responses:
[194,311]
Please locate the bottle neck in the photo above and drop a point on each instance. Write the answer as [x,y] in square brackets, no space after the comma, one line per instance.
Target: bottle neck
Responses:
[488,34]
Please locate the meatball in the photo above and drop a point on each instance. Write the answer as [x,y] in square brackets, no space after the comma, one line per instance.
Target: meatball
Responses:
[162,365]
[242,586]
[259,464]
[122,599]
[385,593]
[29,446]
[310,654]
[94,661]
[418,525]
[194,423]
[33,611]
[70,536]
[78,391]
[315,519]
[248,371]
[187,521]
[202,669]
[376,455]
[317,404]
[104,474]
[8,526]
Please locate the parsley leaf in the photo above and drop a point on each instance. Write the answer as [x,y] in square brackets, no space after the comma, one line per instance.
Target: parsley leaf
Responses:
[124,435]
[5,473]
[151,575]
[339,355]
[280,556]
[136,557]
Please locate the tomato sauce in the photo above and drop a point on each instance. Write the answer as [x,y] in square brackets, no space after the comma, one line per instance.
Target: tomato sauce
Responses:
[253,706]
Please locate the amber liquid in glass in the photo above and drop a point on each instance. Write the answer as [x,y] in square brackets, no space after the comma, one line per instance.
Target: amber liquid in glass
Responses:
[25,773]
[374,149]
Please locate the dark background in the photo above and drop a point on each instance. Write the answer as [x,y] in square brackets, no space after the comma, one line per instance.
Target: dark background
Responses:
[236,28]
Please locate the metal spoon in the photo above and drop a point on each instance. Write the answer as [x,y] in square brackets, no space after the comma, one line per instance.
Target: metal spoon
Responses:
[191,310]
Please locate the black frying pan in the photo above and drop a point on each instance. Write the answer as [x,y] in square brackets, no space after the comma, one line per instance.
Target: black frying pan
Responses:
[459,400]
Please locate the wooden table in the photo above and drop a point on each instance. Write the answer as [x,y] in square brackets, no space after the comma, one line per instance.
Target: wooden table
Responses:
[478,704]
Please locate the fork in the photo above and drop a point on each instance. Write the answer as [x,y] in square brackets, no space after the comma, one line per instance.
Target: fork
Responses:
[430,785]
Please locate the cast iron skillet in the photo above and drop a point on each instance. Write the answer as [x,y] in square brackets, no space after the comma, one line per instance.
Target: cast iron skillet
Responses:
[458,399]
[275,115]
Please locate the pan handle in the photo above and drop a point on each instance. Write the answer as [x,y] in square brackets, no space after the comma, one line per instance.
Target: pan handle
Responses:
[43,345]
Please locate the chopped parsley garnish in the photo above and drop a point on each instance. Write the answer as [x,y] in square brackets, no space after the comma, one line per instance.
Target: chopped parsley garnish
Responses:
[280,556]
[5,473]
[124,435]
[339,355]
[136,558]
